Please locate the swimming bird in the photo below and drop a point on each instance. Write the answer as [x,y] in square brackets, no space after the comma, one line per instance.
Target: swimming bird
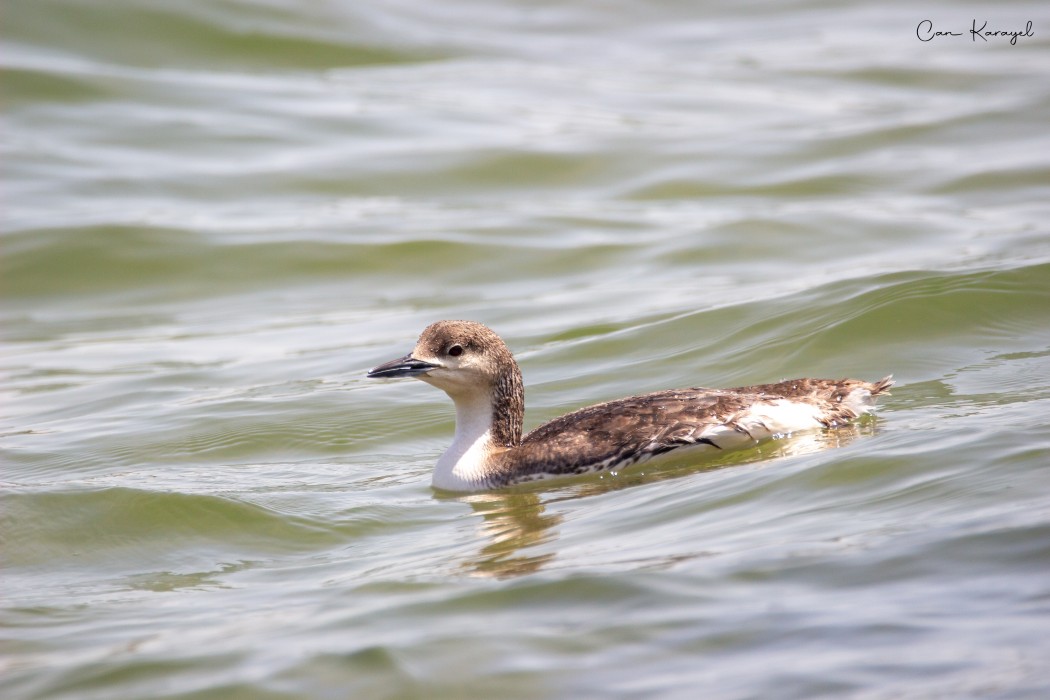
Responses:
[476,369]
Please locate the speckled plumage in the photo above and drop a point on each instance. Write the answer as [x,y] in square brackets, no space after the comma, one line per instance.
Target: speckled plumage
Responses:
[484,381]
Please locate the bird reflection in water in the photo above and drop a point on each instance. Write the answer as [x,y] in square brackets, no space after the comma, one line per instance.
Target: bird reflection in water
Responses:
[511,522]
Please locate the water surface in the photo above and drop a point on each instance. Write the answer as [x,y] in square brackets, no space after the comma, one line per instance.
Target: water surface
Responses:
[217,216]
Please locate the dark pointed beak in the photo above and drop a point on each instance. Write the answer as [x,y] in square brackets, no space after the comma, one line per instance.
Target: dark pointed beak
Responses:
[406,366]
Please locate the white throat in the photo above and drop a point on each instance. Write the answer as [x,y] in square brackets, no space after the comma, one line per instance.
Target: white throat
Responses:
[462,467]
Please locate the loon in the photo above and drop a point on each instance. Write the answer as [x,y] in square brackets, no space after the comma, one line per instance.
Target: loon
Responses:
[470,363]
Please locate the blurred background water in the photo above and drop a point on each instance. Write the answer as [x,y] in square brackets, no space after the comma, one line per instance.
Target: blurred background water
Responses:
[217,214]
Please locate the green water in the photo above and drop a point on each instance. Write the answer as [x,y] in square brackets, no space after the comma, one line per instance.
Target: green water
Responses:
[218,215]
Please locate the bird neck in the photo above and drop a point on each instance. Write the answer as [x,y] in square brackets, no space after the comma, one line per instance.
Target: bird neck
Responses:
[487,422]
[508,406]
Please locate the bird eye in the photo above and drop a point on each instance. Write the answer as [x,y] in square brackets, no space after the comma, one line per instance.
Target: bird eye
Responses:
[455,350]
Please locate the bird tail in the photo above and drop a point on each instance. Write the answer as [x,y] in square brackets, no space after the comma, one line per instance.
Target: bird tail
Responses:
[882,386]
